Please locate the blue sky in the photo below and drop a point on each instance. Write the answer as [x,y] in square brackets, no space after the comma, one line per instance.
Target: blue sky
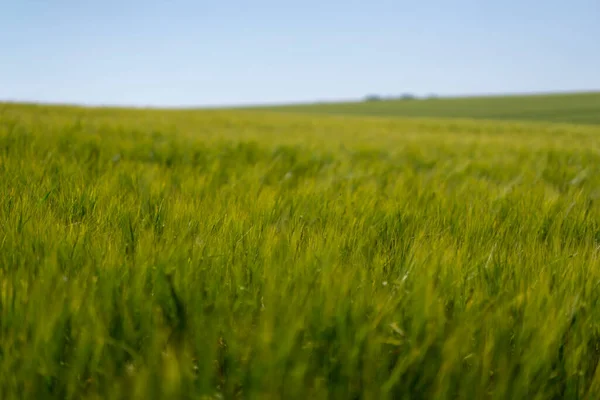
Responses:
[185,53]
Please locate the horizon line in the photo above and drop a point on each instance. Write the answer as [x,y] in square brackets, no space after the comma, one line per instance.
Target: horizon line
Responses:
[254,105]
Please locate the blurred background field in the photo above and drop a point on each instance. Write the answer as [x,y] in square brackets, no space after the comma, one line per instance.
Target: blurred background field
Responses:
[576,108]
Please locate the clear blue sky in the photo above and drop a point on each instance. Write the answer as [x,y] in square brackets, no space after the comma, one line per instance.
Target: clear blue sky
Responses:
[184,52]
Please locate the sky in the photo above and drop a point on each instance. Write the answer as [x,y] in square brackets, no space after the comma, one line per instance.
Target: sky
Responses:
[204,53]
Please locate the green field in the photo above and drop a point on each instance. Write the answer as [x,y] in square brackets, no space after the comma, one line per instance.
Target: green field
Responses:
[253,254]
[577,108]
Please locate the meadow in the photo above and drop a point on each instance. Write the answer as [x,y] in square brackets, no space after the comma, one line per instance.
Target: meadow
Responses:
[154,254]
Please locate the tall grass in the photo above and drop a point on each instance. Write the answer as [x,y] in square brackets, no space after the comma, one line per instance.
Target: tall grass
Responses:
[171,254]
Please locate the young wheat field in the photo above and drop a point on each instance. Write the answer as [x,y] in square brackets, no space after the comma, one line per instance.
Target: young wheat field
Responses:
[171,254]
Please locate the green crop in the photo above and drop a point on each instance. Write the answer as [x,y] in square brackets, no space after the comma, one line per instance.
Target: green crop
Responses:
[244,254]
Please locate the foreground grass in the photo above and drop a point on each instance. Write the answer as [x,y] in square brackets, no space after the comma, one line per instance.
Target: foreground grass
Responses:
[148,254]
[579,108]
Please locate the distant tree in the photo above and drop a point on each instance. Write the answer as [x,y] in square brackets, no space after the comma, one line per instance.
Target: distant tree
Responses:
[373,97]
[408,96]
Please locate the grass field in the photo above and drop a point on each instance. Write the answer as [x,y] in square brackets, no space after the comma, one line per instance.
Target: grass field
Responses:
[247,254]
[577,108]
